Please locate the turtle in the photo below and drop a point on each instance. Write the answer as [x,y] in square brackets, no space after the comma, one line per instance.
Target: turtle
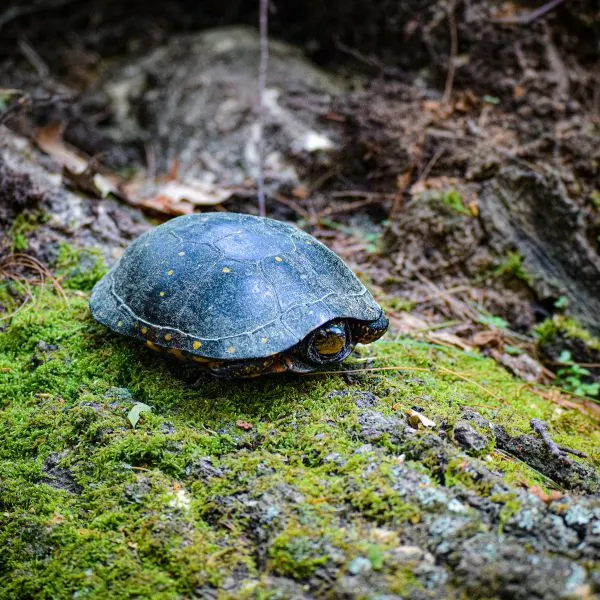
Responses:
[237,295]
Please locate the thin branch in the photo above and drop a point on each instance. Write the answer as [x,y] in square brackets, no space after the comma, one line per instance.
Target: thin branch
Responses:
[262,84]
[453,52]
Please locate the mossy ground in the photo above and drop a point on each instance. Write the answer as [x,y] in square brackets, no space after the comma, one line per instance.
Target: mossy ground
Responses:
[135,517]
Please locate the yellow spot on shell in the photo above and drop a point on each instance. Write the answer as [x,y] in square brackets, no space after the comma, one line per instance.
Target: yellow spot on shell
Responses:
[144,330]
[278,259]
[196,345]
[231,349]
[226,270]
[168,337]
[181,253]
[152,346]
[161,294]
[120,324]
[264,340]
[170,272]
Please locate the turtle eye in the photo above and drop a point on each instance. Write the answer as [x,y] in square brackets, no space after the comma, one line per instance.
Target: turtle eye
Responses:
[330,340]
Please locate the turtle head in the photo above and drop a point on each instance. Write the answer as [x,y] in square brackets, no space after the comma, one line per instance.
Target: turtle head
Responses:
[333,342]
[330,343]
[365,332]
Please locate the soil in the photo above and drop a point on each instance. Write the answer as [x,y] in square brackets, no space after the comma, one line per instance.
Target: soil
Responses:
[448,151]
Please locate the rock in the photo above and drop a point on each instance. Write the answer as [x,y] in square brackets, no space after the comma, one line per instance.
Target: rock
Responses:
[374,425]
[570,474]
[59,477]
[43,353]
[468,438]
[533,213]
[204,469]
[507,570]
[29,180]
[360,565]
[206,83]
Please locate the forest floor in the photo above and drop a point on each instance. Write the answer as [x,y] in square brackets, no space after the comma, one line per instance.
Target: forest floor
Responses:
[450,156]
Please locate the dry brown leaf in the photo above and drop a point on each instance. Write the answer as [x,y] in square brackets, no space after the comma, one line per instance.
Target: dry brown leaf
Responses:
[174,197]
[243,425]
[407,324]
[448,339]
[76,168]
[543,496]
[300,192]
[522,366]
[50,140]
[492,337]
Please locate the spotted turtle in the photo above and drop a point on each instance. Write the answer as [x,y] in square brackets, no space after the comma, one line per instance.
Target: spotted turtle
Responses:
[238,295]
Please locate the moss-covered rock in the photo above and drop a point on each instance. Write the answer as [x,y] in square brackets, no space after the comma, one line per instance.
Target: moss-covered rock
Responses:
[316,485]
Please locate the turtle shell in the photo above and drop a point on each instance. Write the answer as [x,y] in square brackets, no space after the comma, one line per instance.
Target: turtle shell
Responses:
[228,286]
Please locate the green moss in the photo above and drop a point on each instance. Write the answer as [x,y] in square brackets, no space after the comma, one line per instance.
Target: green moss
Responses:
[24,224]
[561,326]
[93,508]
[298,552]
[511,507]
[79,268]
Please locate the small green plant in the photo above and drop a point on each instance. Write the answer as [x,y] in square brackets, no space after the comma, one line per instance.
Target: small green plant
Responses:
[512,266]
[453,200]
[571,377]
[493,321]
[562,303]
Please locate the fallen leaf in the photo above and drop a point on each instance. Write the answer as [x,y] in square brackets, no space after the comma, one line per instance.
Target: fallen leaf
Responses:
[523,366]
[300,192]
[416,419]
[448,339]
[134,414]
[492,337]
[543,496]
[407,324]
[93,183]
[50,140]
[243,425]
[75,167]
[173,197]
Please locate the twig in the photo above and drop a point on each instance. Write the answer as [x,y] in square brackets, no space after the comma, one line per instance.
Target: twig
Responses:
[472,382]
[541,428]
[361,194]
[347,207]
[291,204]
[530,17]
[550,482]
[453,52]
[425,172]
[369,370]
[262,84]
[573,452]
[34,59]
